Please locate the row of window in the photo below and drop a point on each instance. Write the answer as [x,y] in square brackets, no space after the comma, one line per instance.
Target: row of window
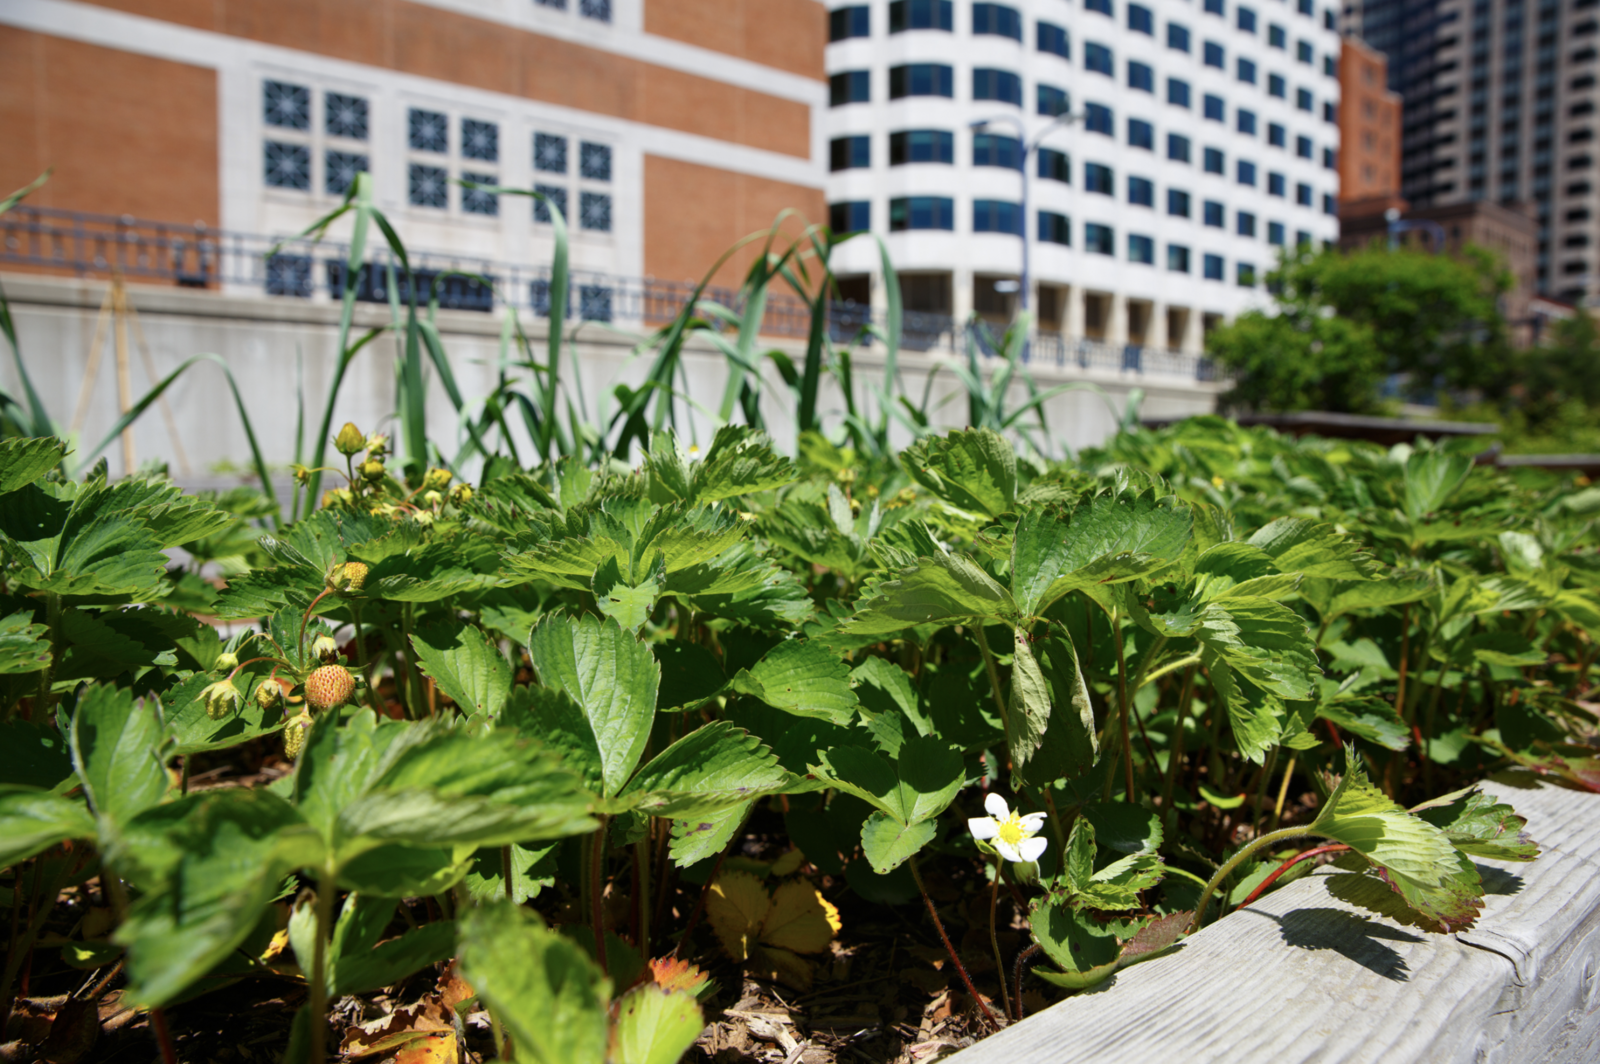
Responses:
[288,166]
[999,216]
[1003,86]
[1001,20]
[854,152]
[1003,216]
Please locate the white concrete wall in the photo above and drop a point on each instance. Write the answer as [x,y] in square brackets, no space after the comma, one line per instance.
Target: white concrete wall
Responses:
[264,340]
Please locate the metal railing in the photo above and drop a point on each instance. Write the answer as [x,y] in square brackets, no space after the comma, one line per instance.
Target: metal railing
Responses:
[197,256]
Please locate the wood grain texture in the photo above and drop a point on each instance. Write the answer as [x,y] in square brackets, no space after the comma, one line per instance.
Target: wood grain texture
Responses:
[1302,975]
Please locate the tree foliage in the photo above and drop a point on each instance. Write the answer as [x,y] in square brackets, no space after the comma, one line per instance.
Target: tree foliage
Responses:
[1342,323]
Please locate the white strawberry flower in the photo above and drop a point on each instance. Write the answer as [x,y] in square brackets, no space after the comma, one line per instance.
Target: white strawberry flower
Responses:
[1015,837]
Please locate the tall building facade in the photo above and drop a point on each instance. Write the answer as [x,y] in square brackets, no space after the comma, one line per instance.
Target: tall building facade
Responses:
[1500,99]
[666,129]
[1369,132]
[1204,140]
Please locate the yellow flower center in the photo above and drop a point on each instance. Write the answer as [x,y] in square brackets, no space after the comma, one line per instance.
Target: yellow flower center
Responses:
[1011,830]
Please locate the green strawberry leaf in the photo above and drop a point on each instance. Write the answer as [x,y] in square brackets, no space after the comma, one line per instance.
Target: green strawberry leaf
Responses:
[712,767]
[213,861]
[24,460]
[655,1026]
[611,676]
[940,589]
[917,786]
[802,677]
[974,470]
[1051,731]
[467,668]
[1416,858]
[1108,539]
[117,748]
[887,843]
[33,820]
[545,991]
[1477,824]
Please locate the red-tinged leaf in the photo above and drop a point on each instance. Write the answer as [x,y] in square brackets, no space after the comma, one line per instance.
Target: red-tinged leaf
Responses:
[1161,933]
[672,974]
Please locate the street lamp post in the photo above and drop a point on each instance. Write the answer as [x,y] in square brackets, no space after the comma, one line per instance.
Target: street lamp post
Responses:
[1028,148]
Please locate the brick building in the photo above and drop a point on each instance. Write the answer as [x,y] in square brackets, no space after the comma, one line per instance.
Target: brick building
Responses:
[669,128]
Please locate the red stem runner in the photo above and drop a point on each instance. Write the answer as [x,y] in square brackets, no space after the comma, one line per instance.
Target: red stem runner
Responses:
[1337,847]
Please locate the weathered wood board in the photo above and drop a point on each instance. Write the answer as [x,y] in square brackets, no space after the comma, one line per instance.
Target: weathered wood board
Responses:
[1302,975]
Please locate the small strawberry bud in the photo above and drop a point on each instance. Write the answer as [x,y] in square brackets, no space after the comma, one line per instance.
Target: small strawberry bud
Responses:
[302,474]
[226,662]
[269,695]
[294,736]
[336,498]
[325,649]
[461,494]
[433,499]
[377,445]
[329,687]
[437,479]
[372,470]
[350,442]
[221,699]
[351,576]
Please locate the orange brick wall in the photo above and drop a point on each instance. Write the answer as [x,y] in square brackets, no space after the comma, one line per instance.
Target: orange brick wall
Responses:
[125,133]
[1369,125]
[435,43]
[786,34]
[692,214]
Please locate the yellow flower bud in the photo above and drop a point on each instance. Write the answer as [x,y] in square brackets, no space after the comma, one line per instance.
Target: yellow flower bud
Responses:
[461,494]
[350,441]
[437,479]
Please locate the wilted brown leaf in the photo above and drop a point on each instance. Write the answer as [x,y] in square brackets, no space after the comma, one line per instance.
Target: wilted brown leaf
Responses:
[424,1020]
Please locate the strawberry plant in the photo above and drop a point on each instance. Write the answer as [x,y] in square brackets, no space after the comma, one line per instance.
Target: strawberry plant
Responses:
[526,723]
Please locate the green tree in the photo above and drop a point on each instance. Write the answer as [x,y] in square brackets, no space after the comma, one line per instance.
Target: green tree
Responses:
[1342,322]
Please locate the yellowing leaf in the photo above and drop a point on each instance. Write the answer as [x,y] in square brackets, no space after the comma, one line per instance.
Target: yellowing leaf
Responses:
[279,943]
[438,1048]
[790,862]
[736,907]
[800,919]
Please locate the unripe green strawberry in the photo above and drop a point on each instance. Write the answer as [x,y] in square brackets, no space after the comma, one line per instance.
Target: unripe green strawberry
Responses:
[461,494]
[432,498]
[351,576]
[269,695]
[294,736]
[437,479]
[221,699]
[226,662]
[325,649]
[377,445]
[329,687]
[350,441]
[372,469]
